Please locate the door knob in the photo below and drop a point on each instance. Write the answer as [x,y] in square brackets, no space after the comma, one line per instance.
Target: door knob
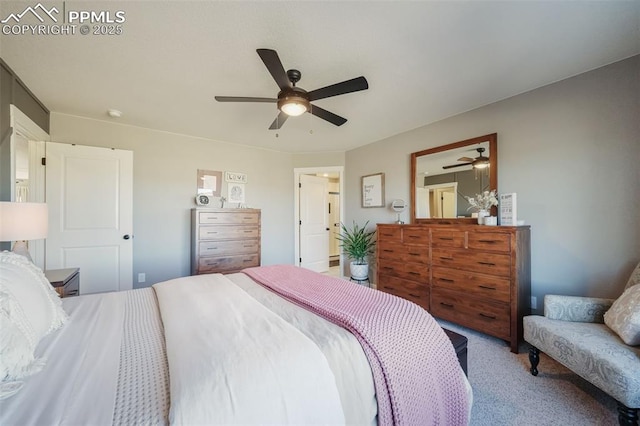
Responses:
[126,236]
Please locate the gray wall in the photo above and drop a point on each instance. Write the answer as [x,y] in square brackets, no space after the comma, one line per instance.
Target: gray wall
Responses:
[570,151]
[164,187]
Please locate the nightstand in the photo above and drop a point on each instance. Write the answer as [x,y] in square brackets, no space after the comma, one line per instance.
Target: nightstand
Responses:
[65,281]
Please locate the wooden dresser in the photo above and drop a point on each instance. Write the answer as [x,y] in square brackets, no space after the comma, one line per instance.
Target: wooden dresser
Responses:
[224,240]
[475,276]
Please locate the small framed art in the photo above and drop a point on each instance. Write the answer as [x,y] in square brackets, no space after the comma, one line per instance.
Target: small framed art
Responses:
[209,183]
[373,190]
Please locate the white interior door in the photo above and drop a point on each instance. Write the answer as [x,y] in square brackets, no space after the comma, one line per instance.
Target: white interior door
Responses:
[314,223]
[89,194]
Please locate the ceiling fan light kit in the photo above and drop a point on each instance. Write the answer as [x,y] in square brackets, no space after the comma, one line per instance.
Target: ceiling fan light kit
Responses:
[294,101]
[480,162]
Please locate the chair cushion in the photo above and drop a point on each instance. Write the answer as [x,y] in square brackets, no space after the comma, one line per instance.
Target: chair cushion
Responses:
[624,316]
[592,351]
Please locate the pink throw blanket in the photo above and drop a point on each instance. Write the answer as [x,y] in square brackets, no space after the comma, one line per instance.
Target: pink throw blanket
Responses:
[416,372]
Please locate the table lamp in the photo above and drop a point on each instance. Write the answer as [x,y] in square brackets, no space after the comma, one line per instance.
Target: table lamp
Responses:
[21,222]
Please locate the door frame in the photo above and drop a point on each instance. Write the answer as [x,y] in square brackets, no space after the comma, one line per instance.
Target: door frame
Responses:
[37,138]
[296,204]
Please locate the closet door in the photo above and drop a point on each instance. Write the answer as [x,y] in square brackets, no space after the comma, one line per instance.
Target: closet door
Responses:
[89,193]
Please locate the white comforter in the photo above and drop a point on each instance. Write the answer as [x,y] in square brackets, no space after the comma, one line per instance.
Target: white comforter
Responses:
[233,361]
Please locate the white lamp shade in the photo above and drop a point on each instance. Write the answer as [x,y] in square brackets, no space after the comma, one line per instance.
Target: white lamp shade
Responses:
[23,221]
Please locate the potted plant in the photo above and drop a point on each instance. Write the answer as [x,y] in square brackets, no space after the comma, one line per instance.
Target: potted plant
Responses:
[482,203]
[358,244]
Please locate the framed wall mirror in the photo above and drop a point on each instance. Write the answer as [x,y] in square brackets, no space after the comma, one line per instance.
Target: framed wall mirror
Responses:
[441,177]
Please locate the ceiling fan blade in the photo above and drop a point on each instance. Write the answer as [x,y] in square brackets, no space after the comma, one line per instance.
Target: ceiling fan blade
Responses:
[279,121]
[467,159]
[353,85]
[244,99]
[274,65]
[456,165]
[326,115]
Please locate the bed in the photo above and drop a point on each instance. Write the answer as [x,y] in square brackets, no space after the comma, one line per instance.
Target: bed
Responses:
[271,345]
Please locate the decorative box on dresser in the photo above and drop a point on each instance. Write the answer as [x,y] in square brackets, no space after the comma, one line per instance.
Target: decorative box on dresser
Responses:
[224,240]
[478,276]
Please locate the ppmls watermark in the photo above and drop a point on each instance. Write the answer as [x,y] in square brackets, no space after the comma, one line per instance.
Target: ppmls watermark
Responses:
[57,20]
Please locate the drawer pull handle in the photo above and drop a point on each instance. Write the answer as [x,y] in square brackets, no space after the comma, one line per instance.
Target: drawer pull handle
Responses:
[414,273]
[414,254]
[388,288]
[447,305]
[387,251]
[487,263]
[488,316]
[445,239]
[247,218]
[247,231]
[413,236]
[248,245]
[489,241]
[246,260]
[414,295]
[446,258]
[486,287]
[212,232]
[389,268]
[212,248]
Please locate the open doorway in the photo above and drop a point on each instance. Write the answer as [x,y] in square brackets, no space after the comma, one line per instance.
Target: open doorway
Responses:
[441,200]
[317,217]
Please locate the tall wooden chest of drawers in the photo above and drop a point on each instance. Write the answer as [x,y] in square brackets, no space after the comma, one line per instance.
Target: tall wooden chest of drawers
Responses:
[475,276]
[224,240]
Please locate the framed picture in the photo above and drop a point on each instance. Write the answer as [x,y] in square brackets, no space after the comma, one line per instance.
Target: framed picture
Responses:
[236,193]
[235,177]
[508,209]
[373,190]
[209,183]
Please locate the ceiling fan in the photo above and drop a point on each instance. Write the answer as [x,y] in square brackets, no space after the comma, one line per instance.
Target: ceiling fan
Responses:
[294,101]
[480,162]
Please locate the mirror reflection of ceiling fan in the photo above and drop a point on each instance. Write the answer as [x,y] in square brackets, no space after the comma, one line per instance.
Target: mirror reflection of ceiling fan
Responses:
[480,162]
[293,100]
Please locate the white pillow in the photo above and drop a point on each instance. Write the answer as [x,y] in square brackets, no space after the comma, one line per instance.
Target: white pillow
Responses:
[29,310]
[624,316]
[634,279]
[16,349]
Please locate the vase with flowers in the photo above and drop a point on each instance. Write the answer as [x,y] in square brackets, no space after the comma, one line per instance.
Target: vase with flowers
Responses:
[482,203]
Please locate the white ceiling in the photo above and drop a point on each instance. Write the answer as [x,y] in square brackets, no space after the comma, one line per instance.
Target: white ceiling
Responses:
[424,61]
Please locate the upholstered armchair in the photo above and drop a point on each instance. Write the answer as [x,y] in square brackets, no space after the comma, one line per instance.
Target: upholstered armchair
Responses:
[598,339]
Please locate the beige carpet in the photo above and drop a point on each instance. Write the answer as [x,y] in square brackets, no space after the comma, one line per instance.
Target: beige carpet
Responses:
[505,393]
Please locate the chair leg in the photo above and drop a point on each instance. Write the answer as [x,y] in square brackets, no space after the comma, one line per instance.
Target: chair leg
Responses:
[534,359]
[627,416]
